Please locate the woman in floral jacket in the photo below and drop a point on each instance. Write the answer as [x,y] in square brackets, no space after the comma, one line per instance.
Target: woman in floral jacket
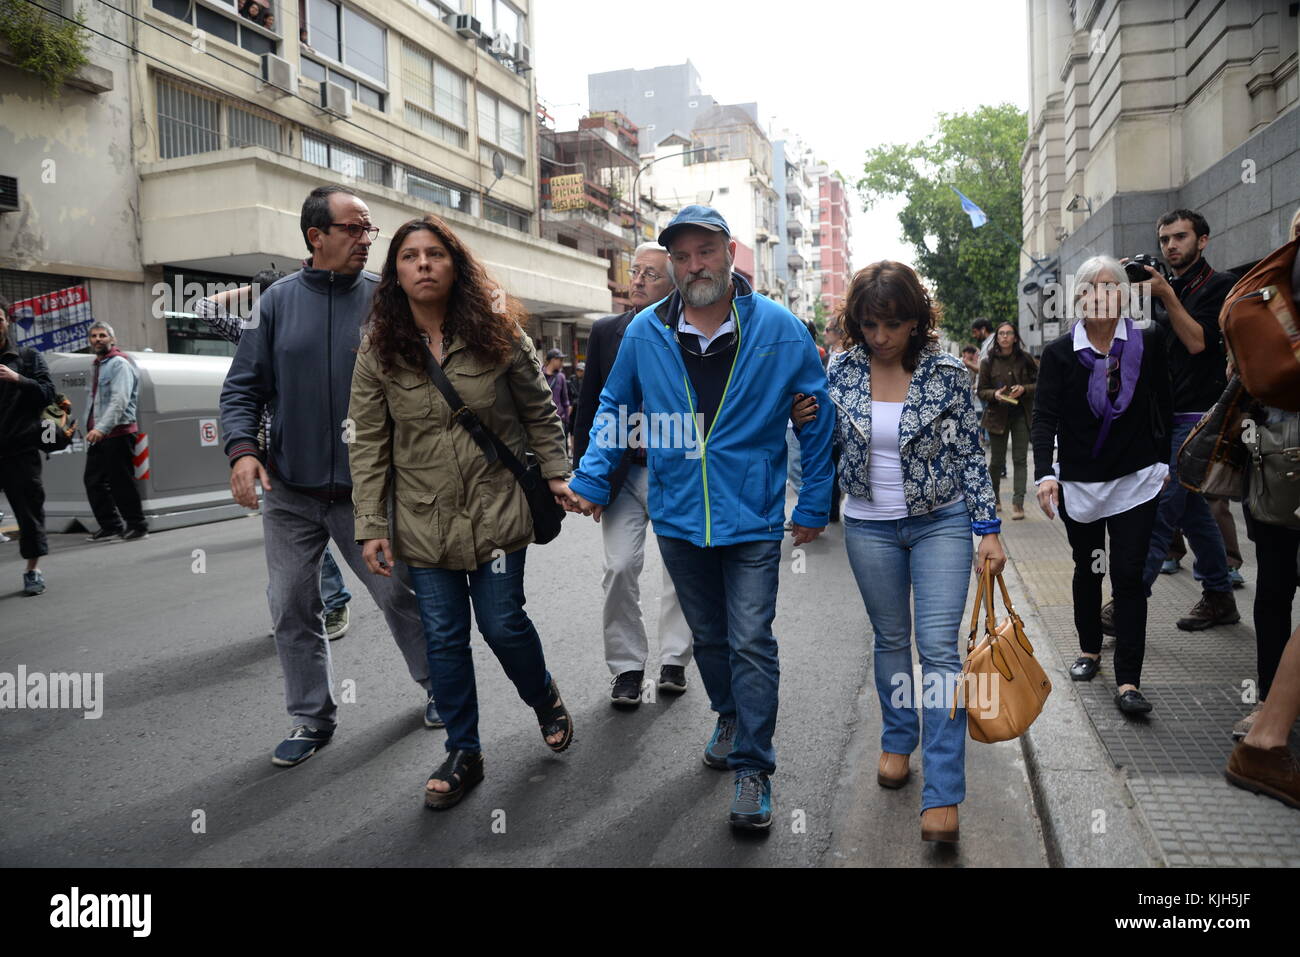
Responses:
[917,489]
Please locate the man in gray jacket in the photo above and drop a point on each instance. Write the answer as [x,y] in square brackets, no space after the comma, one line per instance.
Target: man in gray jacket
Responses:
[296,358]
[110,440]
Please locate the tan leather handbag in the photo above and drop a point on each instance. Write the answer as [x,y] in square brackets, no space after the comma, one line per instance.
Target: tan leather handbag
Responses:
[1002,685]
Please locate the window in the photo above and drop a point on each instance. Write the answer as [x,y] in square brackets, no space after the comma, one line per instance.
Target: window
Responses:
[506,19]
[346,159]
[440,8]
[436,97]
[344,36]
[505,215]
[249,28]
[501,125]
[430,189]
[249,129]
[187,123]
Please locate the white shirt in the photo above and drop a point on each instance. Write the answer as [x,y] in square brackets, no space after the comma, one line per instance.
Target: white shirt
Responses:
[683,326]
[884,469]
[1090,501]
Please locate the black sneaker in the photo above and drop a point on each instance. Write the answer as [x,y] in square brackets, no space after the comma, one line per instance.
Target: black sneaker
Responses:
[134,534]
[105,534]
[719,746]
[751,808]
[672,678]
[432,719]
[626,691]
[302,743]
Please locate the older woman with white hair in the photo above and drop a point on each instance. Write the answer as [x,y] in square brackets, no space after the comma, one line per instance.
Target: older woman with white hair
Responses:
[1104,399]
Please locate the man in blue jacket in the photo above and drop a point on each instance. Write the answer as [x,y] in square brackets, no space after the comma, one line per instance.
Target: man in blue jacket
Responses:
[296,357]
[714,368]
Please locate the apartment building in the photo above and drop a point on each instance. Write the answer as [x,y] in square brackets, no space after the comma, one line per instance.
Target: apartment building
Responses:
[1144,106]
[792,163]
[181,156]
[832,231]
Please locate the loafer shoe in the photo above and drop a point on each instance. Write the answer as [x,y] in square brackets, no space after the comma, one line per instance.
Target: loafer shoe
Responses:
[1085,668]
[431,717]
[751,808]
[1242,727]
[893,770]
[302,743]
[1132,702]
[719,746]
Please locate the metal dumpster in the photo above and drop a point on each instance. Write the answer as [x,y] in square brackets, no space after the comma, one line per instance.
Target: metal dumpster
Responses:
[181,468]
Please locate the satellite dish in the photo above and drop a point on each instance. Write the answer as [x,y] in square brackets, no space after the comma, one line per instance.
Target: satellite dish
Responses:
[498,164]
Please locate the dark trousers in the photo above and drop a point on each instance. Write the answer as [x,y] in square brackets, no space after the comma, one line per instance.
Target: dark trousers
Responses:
[1277,550]
[1227,528]
[20,480]
[1130,534]
[110,484]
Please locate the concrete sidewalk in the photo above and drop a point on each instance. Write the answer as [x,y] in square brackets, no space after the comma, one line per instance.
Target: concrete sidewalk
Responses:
[1116,791]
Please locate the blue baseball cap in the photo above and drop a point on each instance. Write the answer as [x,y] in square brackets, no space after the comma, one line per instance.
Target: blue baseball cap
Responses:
[706,217]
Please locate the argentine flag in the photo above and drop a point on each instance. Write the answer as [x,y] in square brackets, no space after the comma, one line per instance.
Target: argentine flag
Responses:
[977,216]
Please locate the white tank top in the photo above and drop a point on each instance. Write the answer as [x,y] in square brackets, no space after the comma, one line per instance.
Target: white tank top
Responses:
[884,469]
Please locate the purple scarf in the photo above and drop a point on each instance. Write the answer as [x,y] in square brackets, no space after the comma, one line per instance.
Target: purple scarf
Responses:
[1128,356]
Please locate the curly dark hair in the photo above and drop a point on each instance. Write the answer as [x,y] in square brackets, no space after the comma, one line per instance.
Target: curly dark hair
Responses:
[478,310]
[890,290]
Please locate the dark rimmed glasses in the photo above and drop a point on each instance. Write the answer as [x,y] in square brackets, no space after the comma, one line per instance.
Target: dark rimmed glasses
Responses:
[356,229]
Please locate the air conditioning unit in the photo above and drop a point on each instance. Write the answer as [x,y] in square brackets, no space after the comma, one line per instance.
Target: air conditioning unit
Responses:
[8,194]
[335,99]
[523,56]
[466,26]
[279,74]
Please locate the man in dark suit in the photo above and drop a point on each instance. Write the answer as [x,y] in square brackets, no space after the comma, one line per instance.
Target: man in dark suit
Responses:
[623,525]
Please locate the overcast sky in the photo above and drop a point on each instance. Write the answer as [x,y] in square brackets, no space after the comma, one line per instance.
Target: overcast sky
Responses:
[846,76]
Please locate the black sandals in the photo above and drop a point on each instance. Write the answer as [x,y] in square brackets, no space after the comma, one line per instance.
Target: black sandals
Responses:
[462,770]
[555,718]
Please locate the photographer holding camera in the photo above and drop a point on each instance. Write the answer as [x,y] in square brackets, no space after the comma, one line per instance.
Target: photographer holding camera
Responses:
[1186,306]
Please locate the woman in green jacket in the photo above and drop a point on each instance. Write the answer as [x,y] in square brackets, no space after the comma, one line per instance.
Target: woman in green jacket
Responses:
[1007,378]
[462,524]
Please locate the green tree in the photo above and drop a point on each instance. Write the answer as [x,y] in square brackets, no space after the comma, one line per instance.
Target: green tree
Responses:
[52,48]
[973,272]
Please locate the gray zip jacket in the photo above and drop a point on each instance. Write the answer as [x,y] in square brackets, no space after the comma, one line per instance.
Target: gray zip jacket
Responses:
[295,359]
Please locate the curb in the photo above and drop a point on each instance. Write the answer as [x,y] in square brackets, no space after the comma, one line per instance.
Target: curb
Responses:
[1089,816]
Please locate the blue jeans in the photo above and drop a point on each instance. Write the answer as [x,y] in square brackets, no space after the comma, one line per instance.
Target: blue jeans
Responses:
[928,556]
[1181,508]
[728,595]
[333,592]
[444,598]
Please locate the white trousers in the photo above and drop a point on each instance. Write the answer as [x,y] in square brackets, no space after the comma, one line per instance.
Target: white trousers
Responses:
[623,529]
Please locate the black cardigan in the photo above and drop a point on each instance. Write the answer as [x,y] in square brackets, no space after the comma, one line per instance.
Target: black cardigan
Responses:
[1138,438]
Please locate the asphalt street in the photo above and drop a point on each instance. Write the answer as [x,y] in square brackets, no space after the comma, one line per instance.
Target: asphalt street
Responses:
[177,770]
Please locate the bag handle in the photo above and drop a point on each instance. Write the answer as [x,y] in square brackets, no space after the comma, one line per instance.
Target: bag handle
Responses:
[493,448]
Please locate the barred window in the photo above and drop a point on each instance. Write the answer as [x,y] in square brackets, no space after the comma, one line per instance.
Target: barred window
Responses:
[250,129]
[436,96]
[345,159]
[187,122]
[432,190]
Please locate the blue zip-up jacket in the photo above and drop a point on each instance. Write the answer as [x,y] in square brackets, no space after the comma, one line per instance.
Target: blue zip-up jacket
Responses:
[296,359]
[730,487]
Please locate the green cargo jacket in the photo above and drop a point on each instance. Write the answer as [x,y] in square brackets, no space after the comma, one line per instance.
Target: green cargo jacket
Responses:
[452,509]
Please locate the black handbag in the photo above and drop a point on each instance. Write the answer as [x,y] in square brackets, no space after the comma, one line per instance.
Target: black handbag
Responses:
[547,515]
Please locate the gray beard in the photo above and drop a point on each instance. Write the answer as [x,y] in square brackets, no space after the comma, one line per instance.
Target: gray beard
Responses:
[699,297]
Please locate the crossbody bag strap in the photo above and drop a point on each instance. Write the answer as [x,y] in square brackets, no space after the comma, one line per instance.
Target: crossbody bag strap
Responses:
[493,448]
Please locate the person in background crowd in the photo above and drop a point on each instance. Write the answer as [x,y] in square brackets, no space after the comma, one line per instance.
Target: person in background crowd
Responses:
[1277,555]
[1104,402]
[218,312]
[970,358]
[462,522]
[1231,544]
[1187,310]
[298,357]
[981,330]
[556,379]
[918,490]
[110,443]
[626,516]
[706,355]
[575,393]
[1006,387]
[25,390]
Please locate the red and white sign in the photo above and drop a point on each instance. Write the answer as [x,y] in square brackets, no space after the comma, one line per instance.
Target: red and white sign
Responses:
[55,322]
[208,432]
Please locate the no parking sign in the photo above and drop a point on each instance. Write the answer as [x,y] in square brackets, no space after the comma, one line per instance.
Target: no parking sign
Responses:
[208,432]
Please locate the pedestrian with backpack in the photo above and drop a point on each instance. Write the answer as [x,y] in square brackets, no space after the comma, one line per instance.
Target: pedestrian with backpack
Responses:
[25,390]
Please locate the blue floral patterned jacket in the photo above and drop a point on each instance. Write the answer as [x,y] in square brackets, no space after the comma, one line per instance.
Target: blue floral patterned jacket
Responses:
[938,436]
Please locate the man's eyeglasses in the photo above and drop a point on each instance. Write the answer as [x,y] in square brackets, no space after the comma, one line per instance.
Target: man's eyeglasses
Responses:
[637,272]
[356,229]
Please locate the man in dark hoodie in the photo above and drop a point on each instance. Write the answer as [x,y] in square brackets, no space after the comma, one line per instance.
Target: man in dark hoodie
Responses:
[296,358]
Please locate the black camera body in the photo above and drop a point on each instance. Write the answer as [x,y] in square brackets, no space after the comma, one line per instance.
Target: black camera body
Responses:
[1133,268]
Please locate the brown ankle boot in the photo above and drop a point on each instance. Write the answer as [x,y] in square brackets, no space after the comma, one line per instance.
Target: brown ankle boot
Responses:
[1214,608]
[1271,771]
[940,824]
[893,771]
